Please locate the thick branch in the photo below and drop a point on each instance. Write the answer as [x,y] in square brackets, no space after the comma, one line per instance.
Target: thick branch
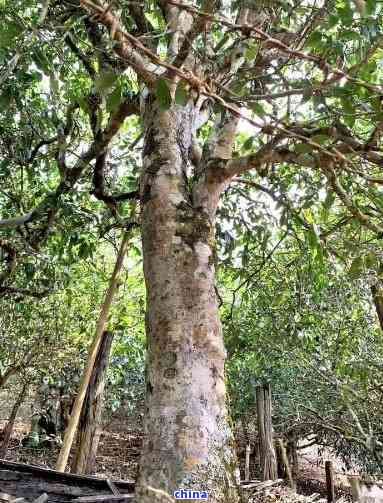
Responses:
[267,154]
[200,24]
[128,47]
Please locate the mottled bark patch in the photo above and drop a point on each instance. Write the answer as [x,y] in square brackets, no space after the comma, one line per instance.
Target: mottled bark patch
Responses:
[170,373]
[193,225]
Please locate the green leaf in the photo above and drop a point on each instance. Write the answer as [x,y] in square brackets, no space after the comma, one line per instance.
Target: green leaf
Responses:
[320,138]
[371,261]
[163,94]
[5,99]
[303,148]
[370,7]
[156,20]
[356,268]
[315,39]
[84,105]
[41,61]
[349,35]
[251,52]
[346,15]
[54,84]
[114,99]
[333,20]
[105,81]
[330,198]
[9,32]
[182,95]
[312,240]
[248,143]
[258,109]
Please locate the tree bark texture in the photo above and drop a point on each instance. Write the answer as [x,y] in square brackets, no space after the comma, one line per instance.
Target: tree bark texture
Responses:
[268,464]
[330,482]
[7,433]
[377,296]
[188,443]
[285,461]
[89,431]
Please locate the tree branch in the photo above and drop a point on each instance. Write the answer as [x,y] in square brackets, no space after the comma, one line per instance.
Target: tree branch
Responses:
[200,24]
[49,207]
[126,45]
[328,170]
[24,292]
[84,60]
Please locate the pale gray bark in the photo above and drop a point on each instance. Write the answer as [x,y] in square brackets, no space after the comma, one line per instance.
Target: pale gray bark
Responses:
[188,439]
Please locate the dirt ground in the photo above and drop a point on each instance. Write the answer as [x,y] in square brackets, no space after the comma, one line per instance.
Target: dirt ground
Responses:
[119,451]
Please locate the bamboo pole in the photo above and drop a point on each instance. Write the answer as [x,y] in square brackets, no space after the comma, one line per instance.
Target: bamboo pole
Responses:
[101,324]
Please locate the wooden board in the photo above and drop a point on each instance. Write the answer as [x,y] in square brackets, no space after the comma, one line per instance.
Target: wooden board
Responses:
[29,482]
[104,498]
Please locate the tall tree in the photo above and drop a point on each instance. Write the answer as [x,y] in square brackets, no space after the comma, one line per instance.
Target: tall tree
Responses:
[190,72]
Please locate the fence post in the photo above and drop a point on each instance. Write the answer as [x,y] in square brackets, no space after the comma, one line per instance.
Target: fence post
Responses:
[330,482]
[247,463]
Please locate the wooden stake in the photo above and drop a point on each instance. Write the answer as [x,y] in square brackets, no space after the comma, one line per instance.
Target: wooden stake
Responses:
[330,482]
[247,463]
[101,325]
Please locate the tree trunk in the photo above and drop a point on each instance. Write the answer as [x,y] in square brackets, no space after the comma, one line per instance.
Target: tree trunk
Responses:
[10,372]
[285,461]
[101,324]
[268,464]
[89,425]
[188,441]
[377,296]
[7,433]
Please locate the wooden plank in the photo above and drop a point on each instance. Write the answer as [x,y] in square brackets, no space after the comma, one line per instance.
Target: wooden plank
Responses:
[260,486]
[66,478]
[5,497]
[104,497]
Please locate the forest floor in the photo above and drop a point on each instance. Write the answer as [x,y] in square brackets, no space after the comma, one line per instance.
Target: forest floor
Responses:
[119,452]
